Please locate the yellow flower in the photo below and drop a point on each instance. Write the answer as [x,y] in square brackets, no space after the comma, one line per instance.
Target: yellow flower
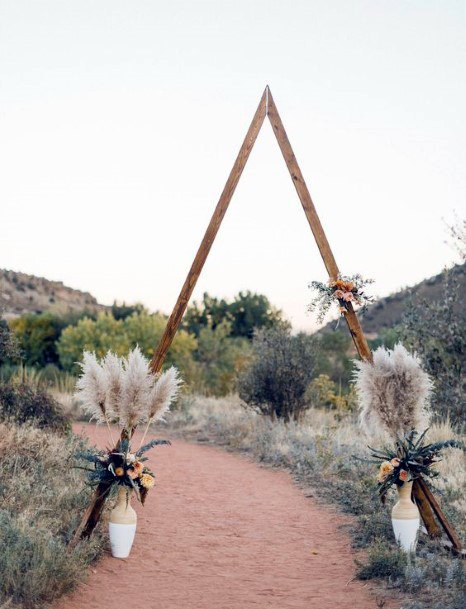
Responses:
[147,481]
[386,468]
[119,471]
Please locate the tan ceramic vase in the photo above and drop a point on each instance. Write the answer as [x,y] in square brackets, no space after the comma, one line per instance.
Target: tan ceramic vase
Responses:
[122,525]
[405,518]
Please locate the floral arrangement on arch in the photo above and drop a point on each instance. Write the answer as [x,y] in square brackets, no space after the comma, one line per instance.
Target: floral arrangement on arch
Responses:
[123,391]
[344,291]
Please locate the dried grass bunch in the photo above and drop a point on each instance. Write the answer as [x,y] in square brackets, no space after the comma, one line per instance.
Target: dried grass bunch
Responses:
[393,393]
[124,391]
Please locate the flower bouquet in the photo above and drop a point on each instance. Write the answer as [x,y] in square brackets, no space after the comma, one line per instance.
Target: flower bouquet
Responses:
[408,459]
[394,393]
[123,392]
[343,291]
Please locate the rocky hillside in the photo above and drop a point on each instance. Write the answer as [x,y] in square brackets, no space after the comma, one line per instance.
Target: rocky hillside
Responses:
[387,312]
[21,293]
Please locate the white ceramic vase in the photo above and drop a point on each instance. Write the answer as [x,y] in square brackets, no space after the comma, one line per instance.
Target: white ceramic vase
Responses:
[122,525]
[406,519]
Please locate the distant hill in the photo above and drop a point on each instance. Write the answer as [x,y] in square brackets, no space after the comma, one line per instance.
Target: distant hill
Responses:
[21,293]
[387,312]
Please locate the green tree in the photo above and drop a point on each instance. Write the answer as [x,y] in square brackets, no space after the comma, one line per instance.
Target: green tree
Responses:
[122,311]
[247,312]
[37,334]
[120,335]
[220,359]
[98,335]
[435,330]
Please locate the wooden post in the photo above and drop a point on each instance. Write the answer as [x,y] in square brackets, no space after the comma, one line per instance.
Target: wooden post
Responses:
[426,501]
[352,320]
[210,234]
[421,489]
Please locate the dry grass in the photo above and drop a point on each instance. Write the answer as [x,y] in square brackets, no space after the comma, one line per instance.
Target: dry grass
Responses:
[321,449]
[41,498]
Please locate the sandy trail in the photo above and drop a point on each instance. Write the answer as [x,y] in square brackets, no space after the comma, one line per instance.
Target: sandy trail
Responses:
[220,532]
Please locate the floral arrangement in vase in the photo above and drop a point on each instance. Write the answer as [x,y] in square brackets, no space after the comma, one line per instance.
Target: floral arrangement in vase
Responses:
[408,459]
[123,392]
[393,394]
[342,291]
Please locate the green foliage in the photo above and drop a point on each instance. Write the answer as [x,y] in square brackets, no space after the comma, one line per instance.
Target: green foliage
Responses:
[120,335]
[8,344]
[324,393]
[277,377]
[436,331]
[38,333]
[123,311]
[23,403]
[219,359]
[245,313]
[387,337]
[334,356]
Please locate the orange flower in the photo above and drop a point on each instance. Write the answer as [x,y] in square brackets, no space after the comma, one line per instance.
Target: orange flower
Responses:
[403,475]
[119,471]
[147,481]
[349,286]
[339,283]
[395,462]
[386,468]
[132,473]
[138,467]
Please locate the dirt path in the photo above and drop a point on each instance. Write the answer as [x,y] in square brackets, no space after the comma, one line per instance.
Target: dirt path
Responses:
[220,532]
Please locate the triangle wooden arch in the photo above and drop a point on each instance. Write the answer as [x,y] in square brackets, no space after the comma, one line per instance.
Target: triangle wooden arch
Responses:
[424,498]
[267,108]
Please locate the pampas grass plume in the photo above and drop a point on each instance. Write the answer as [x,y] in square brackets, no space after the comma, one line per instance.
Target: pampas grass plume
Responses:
[135,390]
[163,392]
[393,393]
[91,388]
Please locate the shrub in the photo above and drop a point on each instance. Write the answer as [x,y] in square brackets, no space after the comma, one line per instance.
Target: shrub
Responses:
[23,403]
[8,344]
[383,560]
[323,392]
[282,366]
[436,331]
[41,505]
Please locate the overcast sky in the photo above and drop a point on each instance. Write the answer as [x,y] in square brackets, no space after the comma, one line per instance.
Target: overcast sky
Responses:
[120,121]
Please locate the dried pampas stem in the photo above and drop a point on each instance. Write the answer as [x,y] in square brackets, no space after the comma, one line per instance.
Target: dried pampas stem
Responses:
[135,389]
[91,390]
[393,393]
[163,392]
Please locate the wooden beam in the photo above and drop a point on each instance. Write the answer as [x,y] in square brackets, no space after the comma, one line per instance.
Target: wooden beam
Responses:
[325,250]
[208,239]
[425,510]
[446,526]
